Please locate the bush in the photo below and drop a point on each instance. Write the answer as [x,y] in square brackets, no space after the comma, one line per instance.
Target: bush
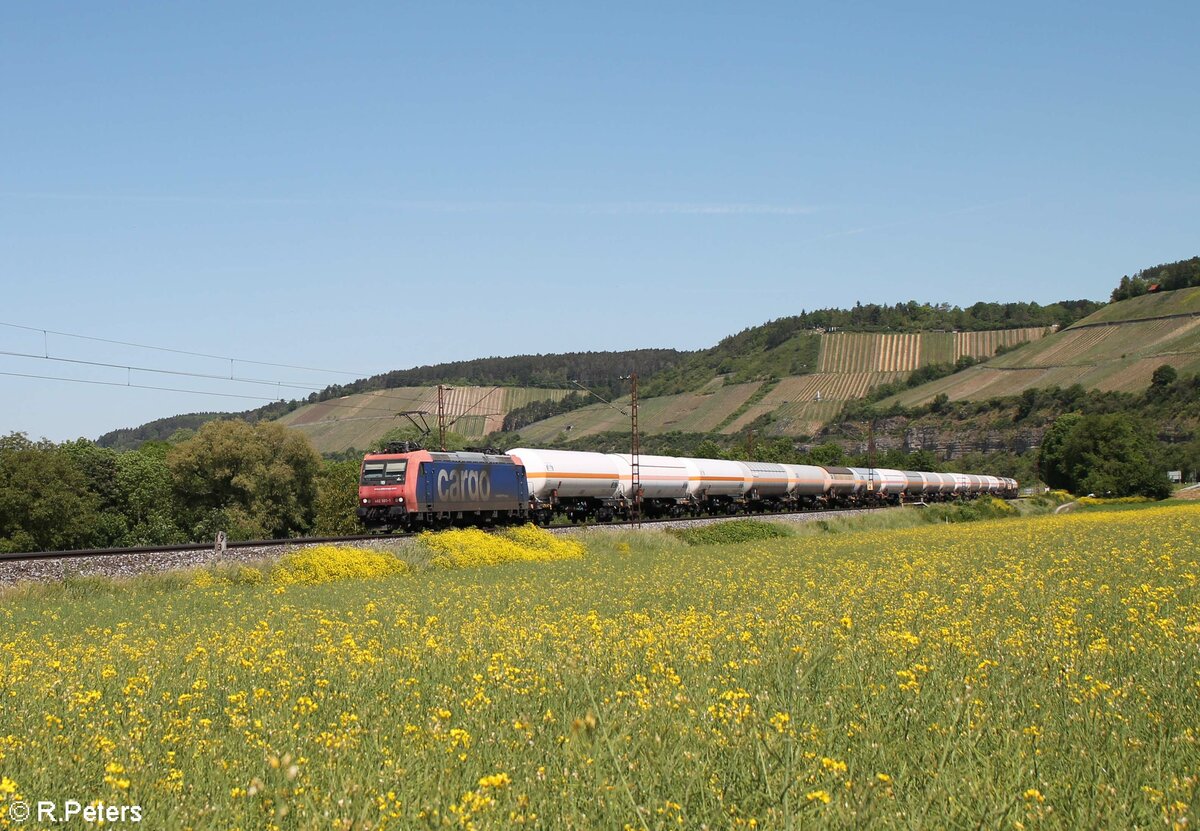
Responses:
[325,563]
[985,507]
[474,547]
[733,531]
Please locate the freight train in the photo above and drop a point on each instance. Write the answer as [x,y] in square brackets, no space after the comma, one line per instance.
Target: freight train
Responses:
[409,488]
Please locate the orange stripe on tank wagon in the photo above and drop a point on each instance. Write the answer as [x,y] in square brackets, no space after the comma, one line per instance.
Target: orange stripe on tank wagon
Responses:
[554,474]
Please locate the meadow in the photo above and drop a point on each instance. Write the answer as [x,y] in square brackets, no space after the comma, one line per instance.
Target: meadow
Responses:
[1022,672]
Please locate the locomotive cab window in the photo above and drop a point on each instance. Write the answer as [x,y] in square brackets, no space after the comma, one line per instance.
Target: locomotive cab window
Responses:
[389,472]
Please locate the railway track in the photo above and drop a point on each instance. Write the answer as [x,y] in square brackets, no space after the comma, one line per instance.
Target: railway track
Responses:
[211,548]
[74,553]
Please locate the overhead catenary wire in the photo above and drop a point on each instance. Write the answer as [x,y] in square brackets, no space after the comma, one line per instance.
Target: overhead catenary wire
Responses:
[392,413]
[327,421]
[128,367]
[473,406]
[47,332]
[136,386]
[601,397]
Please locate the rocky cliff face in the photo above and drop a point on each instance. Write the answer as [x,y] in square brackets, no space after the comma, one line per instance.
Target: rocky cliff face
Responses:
[947,440]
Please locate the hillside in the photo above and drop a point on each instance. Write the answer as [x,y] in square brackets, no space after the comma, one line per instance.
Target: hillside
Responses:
[799,370]
[1117,348]
[601,371]
[360,420]
[846,366]
[791,345]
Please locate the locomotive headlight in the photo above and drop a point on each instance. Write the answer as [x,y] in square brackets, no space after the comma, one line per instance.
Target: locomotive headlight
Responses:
[364,501]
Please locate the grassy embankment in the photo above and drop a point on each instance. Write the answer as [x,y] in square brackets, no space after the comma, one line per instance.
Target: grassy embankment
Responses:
[1041,671]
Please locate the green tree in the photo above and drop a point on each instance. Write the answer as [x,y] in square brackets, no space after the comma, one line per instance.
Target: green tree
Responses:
[99,467]
[709,449]
[827,455]
[337,498]
[454,441]
[250,480]
[780,451]
[148,499]
[1052,464]
[45,503]
[1113,454]
[1164,376]
[1185,458]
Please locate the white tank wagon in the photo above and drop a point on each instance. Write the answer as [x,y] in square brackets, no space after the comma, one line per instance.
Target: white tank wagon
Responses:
[918,483]
[844,485]
[720,478]
[769,481]
[661,477]
[577,483]
[777,486]
[598,486]
[948,484]
[867,481]
[809,481]
[892,484]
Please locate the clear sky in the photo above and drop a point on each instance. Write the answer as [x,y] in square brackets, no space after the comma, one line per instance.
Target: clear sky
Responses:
[364,187]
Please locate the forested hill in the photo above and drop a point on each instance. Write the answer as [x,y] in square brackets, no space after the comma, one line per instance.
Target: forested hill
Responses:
[599,371]
[161,429]
[925,317]
[790,345]
[1182,274]
[786,346]
[604,371]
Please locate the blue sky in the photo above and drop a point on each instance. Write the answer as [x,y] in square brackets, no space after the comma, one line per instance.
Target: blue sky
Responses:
[369,187]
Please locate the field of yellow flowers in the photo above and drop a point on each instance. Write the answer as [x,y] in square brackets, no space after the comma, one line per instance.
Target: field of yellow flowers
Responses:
[1010,673]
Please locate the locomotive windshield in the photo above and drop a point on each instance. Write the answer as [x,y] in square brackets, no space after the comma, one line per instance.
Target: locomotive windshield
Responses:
[384,471]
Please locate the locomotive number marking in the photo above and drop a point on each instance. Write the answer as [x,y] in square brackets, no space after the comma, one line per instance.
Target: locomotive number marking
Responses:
[456,485]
